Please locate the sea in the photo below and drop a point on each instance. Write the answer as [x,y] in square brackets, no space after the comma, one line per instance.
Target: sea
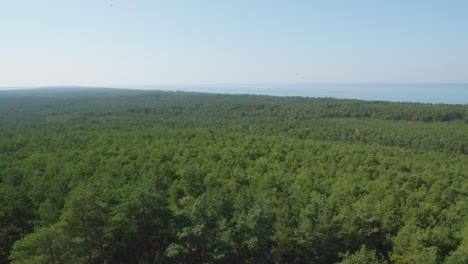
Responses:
[435,93]
[440,93]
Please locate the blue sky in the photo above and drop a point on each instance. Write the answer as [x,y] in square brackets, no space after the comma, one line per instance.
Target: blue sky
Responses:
[119,43]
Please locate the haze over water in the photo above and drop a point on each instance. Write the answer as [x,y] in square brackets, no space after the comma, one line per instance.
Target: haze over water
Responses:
[447,93]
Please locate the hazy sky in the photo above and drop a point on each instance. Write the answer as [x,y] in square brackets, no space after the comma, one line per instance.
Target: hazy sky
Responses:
[118,43]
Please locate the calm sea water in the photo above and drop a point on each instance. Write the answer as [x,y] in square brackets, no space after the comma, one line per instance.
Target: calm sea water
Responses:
[423,93]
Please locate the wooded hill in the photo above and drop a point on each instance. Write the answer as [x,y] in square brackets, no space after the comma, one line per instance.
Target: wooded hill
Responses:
[126,176]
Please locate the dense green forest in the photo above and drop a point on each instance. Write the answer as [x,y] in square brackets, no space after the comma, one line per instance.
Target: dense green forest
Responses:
[122,176]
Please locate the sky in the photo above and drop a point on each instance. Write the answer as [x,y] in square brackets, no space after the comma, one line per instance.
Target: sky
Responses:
[137,42]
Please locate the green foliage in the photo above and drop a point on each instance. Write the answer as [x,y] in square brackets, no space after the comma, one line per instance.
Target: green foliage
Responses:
[362,256]
[144,219]
[410,247]
[460,255]
[45,245]
[117,176]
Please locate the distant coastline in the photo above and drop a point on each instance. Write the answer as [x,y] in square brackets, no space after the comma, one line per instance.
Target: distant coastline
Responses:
[436,93]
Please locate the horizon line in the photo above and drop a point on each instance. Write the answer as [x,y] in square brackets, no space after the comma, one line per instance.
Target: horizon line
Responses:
[224,84]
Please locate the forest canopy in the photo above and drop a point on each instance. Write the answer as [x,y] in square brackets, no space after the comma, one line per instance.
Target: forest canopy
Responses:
[126,176]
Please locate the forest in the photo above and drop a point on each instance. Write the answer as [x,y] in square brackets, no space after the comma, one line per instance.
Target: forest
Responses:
[130,176]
